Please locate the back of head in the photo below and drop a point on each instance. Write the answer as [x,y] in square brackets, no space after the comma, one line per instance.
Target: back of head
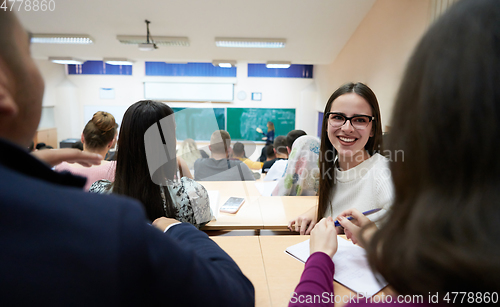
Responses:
[292,136]
[280,145]
[133,177]
[443,233]
[100,130]
[220,142]
[239,149]
[270,151]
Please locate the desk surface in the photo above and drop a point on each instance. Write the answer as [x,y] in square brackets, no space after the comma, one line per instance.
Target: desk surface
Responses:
[273,273]
[258,212]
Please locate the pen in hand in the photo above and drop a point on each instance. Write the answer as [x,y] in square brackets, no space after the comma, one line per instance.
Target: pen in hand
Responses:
[337,224]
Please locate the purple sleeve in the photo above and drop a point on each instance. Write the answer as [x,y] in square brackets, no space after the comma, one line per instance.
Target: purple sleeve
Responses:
[316,282]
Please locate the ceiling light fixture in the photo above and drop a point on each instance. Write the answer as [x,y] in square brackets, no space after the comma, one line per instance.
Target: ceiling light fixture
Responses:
[118,61]
[278,64]
[66,60]
[250,42]
[61,39]
[224,63]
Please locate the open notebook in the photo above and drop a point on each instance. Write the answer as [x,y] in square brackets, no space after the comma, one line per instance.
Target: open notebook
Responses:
[351,267]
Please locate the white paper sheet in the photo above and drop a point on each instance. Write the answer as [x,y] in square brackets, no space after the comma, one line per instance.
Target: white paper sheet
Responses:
[351,266]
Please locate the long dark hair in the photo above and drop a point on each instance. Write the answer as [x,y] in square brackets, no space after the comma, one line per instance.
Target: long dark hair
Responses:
[133,177]
[443,231]
[327,152]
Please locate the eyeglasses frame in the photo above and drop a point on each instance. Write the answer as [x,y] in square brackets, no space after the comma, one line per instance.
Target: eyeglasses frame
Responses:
[370,119]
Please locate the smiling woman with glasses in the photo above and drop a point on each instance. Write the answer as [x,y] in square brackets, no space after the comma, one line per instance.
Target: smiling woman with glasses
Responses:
[352,173]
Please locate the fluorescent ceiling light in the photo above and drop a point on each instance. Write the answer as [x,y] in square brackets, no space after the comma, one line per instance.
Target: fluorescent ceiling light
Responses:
[224,63]
[66,60]
[118,61]
[278,64]
[61,39]
[250,42]
[159,40]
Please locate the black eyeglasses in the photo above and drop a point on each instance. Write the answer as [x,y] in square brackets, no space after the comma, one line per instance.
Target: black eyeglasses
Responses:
[359,122]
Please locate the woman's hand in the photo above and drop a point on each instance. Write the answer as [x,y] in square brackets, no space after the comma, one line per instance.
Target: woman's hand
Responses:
[258,130]
[54,157]
[304,223]
[353,227]
[324,237]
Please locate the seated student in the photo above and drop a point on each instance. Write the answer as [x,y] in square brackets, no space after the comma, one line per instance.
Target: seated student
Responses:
[352,173]
[441,236]
[278,169]
[98,137]
[64,247]
[280,152]
[189,152]
[270,155]
[219,167]
[239,153]
[302,172]
[160,194]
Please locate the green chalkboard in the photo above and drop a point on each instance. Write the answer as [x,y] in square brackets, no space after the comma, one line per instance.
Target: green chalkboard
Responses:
[242,122]
[198,123]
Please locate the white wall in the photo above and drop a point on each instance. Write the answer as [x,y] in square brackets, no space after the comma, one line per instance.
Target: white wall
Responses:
[69,94]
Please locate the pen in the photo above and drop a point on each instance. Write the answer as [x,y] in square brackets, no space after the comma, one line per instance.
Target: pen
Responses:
[337,224]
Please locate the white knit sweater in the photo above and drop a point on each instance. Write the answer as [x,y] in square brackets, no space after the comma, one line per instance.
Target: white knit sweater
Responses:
[364,187]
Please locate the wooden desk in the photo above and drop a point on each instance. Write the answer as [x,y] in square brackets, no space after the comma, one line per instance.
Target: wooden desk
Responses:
[249,215]
[246,252]
[277,211]
[273,273]
[258,212]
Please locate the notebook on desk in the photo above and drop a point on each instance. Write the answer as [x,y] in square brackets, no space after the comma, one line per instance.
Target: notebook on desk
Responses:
[351,266]
[214,202]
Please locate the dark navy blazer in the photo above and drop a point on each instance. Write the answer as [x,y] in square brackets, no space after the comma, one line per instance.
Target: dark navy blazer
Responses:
[60,246]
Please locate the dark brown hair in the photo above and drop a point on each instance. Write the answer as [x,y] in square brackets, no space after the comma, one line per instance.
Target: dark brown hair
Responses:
[239,149]
[292,136]
[132,173]
[442,233]
[327,152]
[100,130]
[280,145]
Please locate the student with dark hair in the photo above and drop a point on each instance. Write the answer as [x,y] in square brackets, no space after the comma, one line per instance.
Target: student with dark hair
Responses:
[219,167]
[441,236]
[64,247]
[280,152]
[352,173]
[239,153]
[157,189]
[98,137]
[270,152]
[277,170]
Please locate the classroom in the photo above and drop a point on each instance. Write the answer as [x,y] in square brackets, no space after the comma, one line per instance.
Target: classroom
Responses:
[249,68]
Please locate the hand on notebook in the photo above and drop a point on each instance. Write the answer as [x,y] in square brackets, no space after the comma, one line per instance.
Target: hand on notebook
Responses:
[304,223]
[324,237]
[353,227]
